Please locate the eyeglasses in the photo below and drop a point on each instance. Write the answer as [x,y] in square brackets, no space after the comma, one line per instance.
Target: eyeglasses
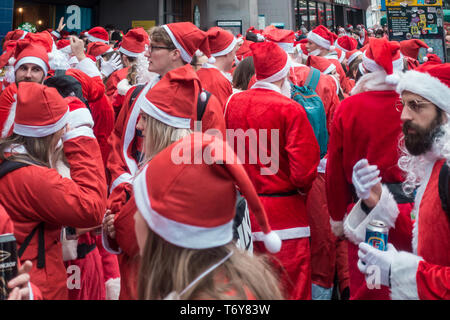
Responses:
[152,47]
[413,105]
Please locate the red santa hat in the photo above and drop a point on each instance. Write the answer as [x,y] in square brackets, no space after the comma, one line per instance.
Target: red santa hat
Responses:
[323,37]
[244,50]
[352,55]
[346,43]
[7,58]
[40,111]
[284,38]
[97,49]
[97,34]
[187,38]
[432,58]
[135,42]
[200,217]
[173,100]
[43,39]
[14,35]
[383,55]
[64,46]
[340,54]
[31,52]
[271,62]
[410,48]
[322,64]
[221,42]
[433,84]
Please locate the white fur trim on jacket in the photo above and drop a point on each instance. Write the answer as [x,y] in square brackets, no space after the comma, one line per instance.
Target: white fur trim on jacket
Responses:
[123,86]
[112,289]
[337,227]
[88,66]
[80,117]
[78,132]
[374,81]
[403,276]
[357,220]
[425,85]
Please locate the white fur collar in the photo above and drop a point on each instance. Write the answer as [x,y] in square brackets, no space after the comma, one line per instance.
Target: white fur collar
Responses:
[266,85]
[226,75]
[123,86]
[374,81]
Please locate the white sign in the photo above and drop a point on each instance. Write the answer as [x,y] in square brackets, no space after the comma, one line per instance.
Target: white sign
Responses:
[74,18]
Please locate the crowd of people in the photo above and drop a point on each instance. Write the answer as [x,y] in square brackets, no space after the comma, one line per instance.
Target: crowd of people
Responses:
[177,163]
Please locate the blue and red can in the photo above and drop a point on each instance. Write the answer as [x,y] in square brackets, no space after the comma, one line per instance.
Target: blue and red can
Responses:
[377,235]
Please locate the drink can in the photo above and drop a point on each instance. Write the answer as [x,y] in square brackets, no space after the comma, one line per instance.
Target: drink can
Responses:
[377,235]
[8,263]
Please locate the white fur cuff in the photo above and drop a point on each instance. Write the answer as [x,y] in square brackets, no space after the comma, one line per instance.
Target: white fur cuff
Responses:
[337,227]
[88,66]
[112,289]
[81,117]
[123,86]
[403,276]
[356,222]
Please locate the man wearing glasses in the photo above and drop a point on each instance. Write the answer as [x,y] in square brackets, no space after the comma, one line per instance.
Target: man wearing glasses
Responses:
[367,126]
[425,273]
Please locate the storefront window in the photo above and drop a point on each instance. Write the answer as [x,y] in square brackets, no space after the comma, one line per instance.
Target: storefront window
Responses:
[301,13]
[321,13]
[329,16]
[312,9]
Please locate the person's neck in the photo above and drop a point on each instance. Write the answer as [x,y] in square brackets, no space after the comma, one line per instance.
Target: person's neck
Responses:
[173,66]
[222,64]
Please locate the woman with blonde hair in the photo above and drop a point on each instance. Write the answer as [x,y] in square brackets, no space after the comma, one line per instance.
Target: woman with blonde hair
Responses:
[185,234]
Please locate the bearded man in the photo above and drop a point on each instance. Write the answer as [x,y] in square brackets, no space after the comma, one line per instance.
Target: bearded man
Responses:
[425,273]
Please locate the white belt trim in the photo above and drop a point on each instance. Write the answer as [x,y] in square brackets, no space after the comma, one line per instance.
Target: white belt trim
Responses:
[285,234]
[322,165]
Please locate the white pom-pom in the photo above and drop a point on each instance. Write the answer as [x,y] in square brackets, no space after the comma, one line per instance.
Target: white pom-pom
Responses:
[203,96]
[430,50]
[272,242]
[425,59]
[198,53]
[211,60]
[11,61]
[392,79]
[332,47]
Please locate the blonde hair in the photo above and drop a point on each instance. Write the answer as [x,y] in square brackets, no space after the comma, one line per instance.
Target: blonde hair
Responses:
[159,136]
[166,268]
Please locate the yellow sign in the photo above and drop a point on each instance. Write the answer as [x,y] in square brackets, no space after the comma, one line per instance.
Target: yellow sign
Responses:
[146,24]
[413,3]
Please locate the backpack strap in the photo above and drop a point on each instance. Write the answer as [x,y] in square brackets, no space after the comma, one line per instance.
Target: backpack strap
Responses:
[136,92]
[443,188]
[9,166]
[313,78]
[201,105]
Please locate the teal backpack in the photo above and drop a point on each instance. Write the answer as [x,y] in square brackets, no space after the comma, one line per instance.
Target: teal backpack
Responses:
[311,102]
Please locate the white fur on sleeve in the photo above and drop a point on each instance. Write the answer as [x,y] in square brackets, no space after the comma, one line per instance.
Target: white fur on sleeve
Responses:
[337,227]
[82,131]
[88,66]
[112,289]
[81,117]
[357,220]
[123,86]
[403,276]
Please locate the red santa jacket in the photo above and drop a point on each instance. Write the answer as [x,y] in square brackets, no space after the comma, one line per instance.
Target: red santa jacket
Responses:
[41,195]
[7,110]
[216,82]
[263,108]
[111,87]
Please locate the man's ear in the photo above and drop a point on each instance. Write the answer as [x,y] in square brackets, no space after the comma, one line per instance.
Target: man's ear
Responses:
[176,54]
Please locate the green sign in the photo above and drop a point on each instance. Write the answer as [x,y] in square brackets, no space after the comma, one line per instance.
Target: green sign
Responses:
[27,26]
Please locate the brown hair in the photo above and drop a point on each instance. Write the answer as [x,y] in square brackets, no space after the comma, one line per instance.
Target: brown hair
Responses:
[166,268]
[159,34]
[354,66]
[243,73]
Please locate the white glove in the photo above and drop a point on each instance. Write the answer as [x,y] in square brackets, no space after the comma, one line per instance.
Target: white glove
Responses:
[110,66]
[370,256]
[364,177]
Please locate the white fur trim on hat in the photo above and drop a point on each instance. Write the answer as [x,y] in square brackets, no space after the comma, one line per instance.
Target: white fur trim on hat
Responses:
[286,46]
[321,42]
[353,57]
[153,111]
[35,60]
[426,86]
[94,39]
[82,131]
[227,50]
[184,54]
[41,131]
[372,66]
[177,233]
[280,74]
[129,53]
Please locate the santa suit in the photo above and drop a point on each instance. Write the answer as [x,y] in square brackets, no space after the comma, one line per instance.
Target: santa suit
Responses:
[425,274]
[216,81]
[282,193]
[7,110]
[365,125]
[6,226]
[42,195]
[345,84]
[111,88]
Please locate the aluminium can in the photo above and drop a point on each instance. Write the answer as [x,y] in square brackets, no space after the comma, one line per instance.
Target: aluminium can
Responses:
[377,235]
[8,263]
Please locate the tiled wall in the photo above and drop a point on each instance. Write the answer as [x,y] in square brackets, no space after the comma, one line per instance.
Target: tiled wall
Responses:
[6,17]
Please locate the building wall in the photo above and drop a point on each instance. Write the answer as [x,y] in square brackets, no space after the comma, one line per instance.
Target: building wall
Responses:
[6,17]
[280,11]
[120,13]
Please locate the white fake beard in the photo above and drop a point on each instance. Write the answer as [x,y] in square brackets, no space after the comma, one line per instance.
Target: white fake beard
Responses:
[314,52]
[142,73]
[286,88]
[9,75]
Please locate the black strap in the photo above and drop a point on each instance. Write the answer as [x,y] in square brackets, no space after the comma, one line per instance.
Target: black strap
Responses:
[136,92]
[280,194]
[399,195]
[443,188]
[83,249]
[41,245]
[201,105]
[9,166]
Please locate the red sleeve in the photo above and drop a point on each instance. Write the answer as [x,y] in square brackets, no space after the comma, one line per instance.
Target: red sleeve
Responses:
[213,117]
[109,261]
[124,225]
[103,116]
[6,225]
[6,101]
[338,190]
[433,281]
[93,88]
[302,149]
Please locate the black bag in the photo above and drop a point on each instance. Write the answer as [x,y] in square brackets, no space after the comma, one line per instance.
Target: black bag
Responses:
[443,188]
